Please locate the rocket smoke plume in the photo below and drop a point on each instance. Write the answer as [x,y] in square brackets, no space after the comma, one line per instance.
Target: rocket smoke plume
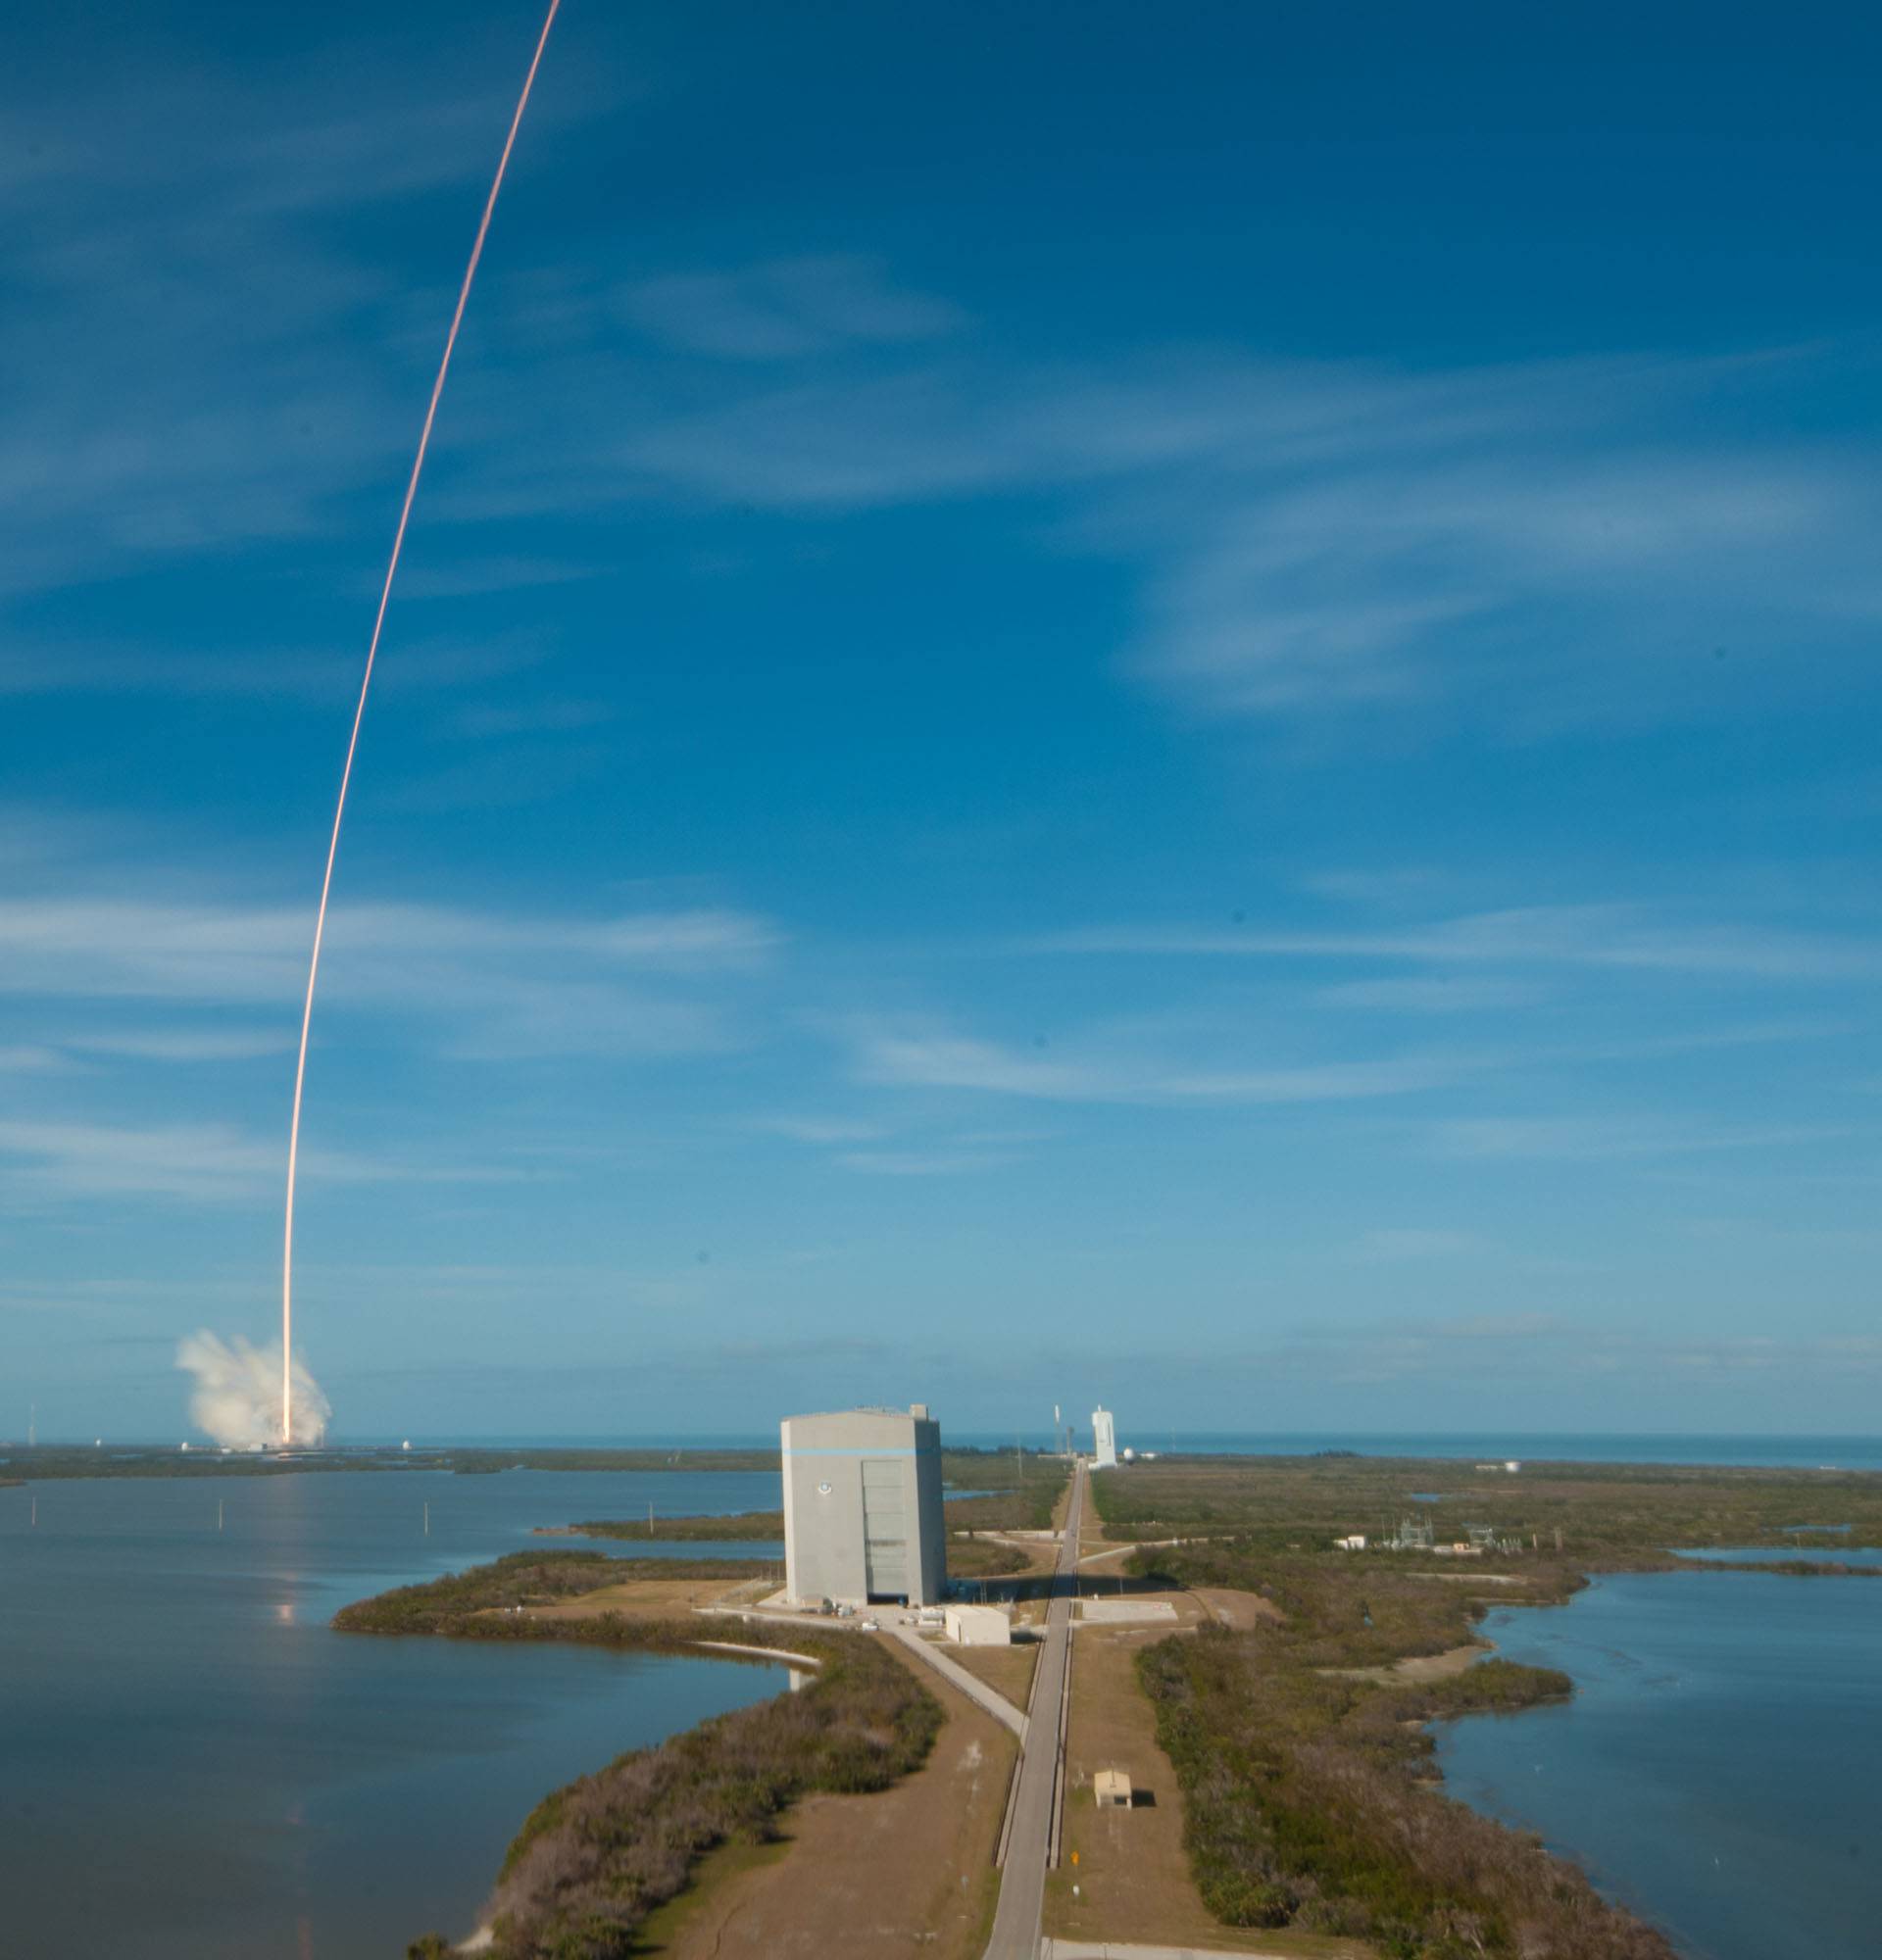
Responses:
[235,1397]
[289,1430]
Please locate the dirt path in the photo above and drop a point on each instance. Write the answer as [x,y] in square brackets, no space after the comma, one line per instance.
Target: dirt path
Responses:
[909,1869]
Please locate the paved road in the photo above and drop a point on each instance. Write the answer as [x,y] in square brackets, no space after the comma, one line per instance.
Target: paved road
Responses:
[971,1686]
[1111,1949]
[1022,1885]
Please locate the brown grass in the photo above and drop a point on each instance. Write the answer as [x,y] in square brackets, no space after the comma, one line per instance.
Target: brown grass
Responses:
[654,1598]
[910,1868]
[1133,1871]
[1007,1671]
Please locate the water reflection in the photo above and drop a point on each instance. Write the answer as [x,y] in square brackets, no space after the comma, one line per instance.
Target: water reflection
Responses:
[268,1787]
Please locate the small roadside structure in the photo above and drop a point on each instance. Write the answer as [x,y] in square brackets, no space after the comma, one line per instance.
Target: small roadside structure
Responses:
[1112,1790]
[978,1626]
[1356,1542]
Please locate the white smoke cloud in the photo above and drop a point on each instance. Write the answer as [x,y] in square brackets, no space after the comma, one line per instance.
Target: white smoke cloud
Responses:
[237,1397]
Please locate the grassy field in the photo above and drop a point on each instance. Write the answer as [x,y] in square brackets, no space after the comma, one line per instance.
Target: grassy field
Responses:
[1130,1866]
[1298,1736]
[593,1861]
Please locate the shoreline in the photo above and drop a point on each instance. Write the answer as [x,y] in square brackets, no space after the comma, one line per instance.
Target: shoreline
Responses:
[1574,1838]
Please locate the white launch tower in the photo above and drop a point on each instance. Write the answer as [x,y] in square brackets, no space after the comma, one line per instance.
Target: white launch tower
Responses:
[1104,1441]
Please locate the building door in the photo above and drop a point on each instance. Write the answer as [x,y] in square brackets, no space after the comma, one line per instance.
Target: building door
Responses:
[885,1527]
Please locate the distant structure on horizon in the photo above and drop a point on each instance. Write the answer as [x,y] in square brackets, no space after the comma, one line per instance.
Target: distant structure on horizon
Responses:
[863,1517]
[1104,1441]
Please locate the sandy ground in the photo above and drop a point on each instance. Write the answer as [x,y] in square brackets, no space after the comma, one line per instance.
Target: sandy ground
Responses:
[908,1870]
[1472,1577]
[1421,1667]
[1243,1611]
[655,1599]
[1132,1873]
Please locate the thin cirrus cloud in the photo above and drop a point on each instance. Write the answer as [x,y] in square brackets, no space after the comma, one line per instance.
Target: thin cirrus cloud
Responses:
[186,1162]
[922,1163]
[785,309]
[945,1059]
[1337,536]
[513,985]
[1600,1139]
[1619,936]
[1563,541]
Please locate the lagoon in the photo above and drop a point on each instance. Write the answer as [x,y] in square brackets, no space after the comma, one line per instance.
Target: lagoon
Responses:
[198,1768]
[1716,1769]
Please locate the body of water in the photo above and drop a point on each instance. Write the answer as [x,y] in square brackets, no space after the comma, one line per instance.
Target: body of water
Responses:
[1783,1452]
[1810,1551]
[1715,1771]
[198,1768]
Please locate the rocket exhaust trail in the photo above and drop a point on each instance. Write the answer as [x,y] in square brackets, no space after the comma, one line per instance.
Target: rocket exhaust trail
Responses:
[359,714]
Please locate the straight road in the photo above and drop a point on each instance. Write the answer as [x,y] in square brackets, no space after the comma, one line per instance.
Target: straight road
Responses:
[1022,1885]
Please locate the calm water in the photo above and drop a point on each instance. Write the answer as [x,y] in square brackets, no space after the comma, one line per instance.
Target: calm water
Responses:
[1717,1770]
[1812,1551]
[194,1767]
[1788,1452]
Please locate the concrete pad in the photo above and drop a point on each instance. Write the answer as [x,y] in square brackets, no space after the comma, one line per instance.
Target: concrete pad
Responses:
[1126,1612]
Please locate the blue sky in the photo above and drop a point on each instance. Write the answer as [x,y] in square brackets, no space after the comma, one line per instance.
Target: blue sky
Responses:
[1166,705]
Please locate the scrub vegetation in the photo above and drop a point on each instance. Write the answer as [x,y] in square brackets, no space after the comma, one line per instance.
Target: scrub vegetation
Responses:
[1011,1491]
[1311,1798]
[481,1603]
[595,1859]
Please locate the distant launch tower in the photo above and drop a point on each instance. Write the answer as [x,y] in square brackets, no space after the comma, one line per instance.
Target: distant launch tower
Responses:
[1104,1441]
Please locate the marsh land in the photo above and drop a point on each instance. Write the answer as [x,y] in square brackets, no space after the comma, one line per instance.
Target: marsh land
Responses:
[1281,1729]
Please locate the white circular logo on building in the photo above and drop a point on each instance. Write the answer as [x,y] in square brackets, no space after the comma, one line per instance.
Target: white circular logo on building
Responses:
[822,1489]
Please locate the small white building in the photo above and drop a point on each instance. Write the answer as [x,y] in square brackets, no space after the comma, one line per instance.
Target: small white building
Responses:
[1111,1790]
[978,1626]
[1356,1542]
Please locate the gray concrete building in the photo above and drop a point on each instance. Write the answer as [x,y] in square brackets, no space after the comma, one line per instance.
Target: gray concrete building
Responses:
[863,1513]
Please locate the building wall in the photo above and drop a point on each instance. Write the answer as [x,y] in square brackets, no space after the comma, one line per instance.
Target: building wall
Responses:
[863,1511]
[980,1626]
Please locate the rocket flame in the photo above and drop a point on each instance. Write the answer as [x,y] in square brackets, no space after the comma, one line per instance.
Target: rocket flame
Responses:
[287,1430]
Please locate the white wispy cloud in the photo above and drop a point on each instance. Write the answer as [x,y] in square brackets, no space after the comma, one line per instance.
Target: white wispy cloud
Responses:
[945,1059]
[1631,937]
[818,1129]
[785,309]
[1596,1139]
[185,1044]
[1435,993]
[30,1058]
[509,984]
[922,1163]
[189,1162]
